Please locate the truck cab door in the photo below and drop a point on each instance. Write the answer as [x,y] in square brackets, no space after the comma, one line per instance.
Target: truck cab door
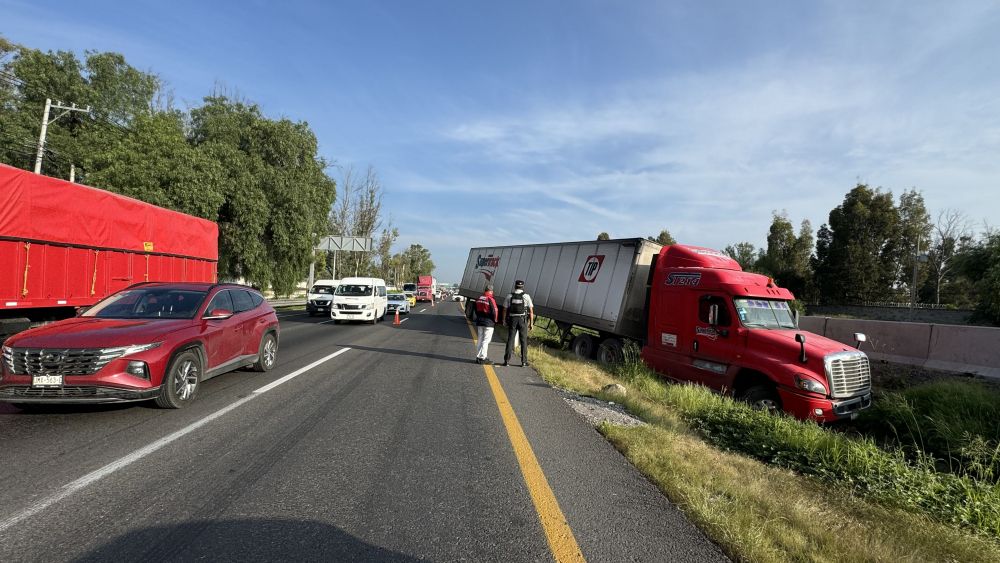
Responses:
[714,346]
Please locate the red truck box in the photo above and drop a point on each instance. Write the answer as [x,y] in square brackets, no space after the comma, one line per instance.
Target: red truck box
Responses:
[65,245]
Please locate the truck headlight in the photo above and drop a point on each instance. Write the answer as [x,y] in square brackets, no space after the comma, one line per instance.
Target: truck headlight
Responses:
[809,384]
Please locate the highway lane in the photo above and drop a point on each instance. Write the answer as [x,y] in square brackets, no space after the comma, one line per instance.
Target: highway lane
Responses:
[392,450]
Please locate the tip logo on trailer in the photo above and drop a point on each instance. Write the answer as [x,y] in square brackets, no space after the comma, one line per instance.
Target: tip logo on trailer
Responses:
[591,268]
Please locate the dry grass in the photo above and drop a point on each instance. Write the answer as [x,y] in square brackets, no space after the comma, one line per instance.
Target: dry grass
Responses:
[758,512]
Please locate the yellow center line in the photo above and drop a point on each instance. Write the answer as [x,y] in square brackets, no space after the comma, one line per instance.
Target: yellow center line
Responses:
[562,543]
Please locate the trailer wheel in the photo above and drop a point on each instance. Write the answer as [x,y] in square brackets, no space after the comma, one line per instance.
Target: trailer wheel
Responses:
[610,351]
[583,346]
[763,397]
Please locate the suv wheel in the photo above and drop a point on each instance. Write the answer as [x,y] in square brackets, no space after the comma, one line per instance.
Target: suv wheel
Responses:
[267,353]
[180,384]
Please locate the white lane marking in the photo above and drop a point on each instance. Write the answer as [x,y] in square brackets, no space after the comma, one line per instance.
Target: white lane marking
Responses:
[110,468]
[324,322]
[422,310]
[404,320]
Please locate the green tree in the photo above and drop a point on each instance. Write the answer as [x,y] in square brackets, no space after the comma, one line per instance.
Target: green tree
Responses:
[980,262]
[949,238]
[857,253]
[663,238]
[277,194]
[603,236]
[745,253]
[788,256]
[915,236]
[416,261]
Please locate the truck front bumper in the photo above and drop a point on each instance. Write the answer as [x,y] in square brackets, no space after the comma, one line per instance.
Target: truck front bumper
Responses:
[822,409]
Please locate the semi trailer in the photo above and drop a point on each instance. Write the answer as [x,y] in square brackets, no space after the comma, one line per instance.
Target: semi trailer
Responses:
[694,313]
[64,246]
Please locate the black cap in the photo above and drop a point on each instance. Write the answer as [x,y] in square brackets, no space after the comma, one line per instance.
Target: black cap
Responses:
[519,283]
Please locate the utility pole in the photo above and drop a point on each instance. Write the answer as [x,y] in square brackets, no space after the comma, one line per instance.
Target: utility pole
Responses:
[917,258]
[45,127]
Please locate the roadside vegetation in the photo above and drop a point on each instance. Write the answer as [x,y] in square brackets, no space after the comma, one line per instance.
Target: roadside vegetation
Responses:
[771,488]
[956,423]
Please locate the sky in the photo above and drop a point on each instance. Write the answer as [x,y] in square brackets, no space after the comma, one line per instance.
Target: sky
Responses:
[520,122]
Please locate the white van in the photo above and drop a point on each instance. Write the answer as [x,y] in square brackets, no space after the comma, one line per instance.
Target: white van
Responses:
[320,296]
[359,299]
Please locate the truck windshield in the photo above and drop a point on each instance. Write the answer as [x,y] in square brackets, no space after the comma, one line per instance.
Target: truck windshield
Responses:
[354,290]
[321,289]
[764,313]
[409,287]
[152,303]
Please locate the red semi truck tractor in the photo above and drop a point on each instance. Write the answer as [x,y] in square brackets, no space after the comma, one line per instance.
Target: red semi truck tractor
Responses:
[697,316]
[426,286]
[65,246]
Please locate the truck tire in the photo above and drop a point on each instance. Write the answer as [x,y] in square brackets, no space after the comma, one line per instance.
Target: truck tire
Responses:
[180,383]
[763,397]
[583,346]
[267,353]
[610,351]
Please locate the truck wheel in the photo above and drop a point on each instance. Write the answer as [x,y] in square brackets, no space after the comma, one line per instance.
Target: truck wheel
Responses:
[610,351]
[180,383]
[583,346]
[267,353]
[763,397]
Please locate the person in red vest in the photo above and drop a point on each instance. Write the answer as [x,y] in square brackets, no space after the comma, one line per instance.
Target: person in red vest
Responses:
[486,320]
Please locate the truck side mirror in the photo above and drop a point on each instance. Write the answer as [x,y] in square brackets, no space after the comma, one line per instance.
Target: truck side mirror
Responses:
[801,339]
[859,337]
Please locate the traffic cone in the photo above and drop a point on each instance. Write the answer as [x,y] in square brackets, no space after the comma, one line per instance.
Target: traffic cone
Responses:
[395,321]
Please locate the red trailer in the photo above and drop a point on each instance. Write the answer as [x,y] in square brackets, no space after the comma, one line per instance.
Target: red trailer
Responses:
[65,245]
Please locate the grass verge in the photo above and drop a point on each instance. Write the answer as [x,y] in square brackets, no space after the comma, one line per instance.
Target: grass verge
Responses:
[695,451]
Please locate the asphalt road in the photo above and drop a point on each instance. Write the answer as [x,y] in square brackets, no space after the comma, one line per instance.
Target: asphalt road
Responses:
[392,450]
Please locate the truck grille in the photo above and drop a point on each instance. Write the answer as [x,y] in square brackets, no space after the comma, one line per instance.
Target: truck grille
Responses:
[849,373]
[59,361]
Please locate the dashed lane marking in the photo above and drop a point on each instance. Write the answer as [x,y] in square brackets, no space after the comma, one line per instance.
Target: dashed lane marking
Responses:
[95,476]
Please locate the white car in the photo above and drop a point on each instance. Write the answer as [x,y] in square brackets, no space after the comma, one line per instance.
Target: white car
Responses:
[398,302]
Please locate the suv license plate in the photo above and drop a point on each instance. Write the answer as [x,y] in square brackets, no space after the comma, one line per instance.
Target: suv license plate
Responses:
[47,381]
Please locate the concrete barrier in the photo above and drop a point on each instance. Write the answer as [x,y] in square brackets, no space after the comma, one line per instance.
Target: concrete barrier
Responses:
[963,349]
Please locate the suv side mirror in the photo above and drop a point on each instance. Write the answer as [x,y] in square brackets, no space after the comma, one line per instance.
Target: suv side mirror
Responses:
[218,315]
[81,310]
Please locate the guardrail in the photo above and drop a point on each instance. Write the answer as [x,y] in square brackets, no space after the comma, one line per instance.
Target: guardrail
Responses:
[956,348]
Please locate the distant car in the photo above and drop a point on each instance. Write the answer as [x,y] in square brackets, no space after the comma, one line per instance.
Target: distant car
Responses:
[398,302]
[457,297]
[320,297]
[156,341]
[411,298]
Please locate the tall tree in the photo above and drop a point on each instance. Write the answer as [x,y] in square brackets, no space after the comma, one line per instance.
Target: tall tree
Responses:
[980,262]
[745,253]
[950,235]
[277,193]
[787,258]
[915,238]
[663,238]
[603,236]
[858,251]
[358,213]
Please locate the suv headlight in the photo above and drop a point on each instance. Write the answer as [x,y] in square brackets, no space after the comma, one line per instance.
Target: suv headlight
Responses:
[108,354]
[809,384]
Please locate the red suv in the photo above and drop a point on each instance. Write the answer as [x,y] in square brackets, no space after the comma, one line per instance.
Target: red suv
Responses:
[150,341]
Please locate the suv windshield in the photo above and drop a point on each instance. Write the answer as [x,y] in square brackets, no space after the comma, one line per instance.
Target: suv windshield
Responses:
[354,290]
[764,313]
[321,289]
[149,303]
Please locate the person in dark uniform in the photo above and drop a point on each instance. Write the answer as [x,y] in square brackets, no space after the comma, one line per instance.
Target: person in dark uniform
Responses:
[519,315]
